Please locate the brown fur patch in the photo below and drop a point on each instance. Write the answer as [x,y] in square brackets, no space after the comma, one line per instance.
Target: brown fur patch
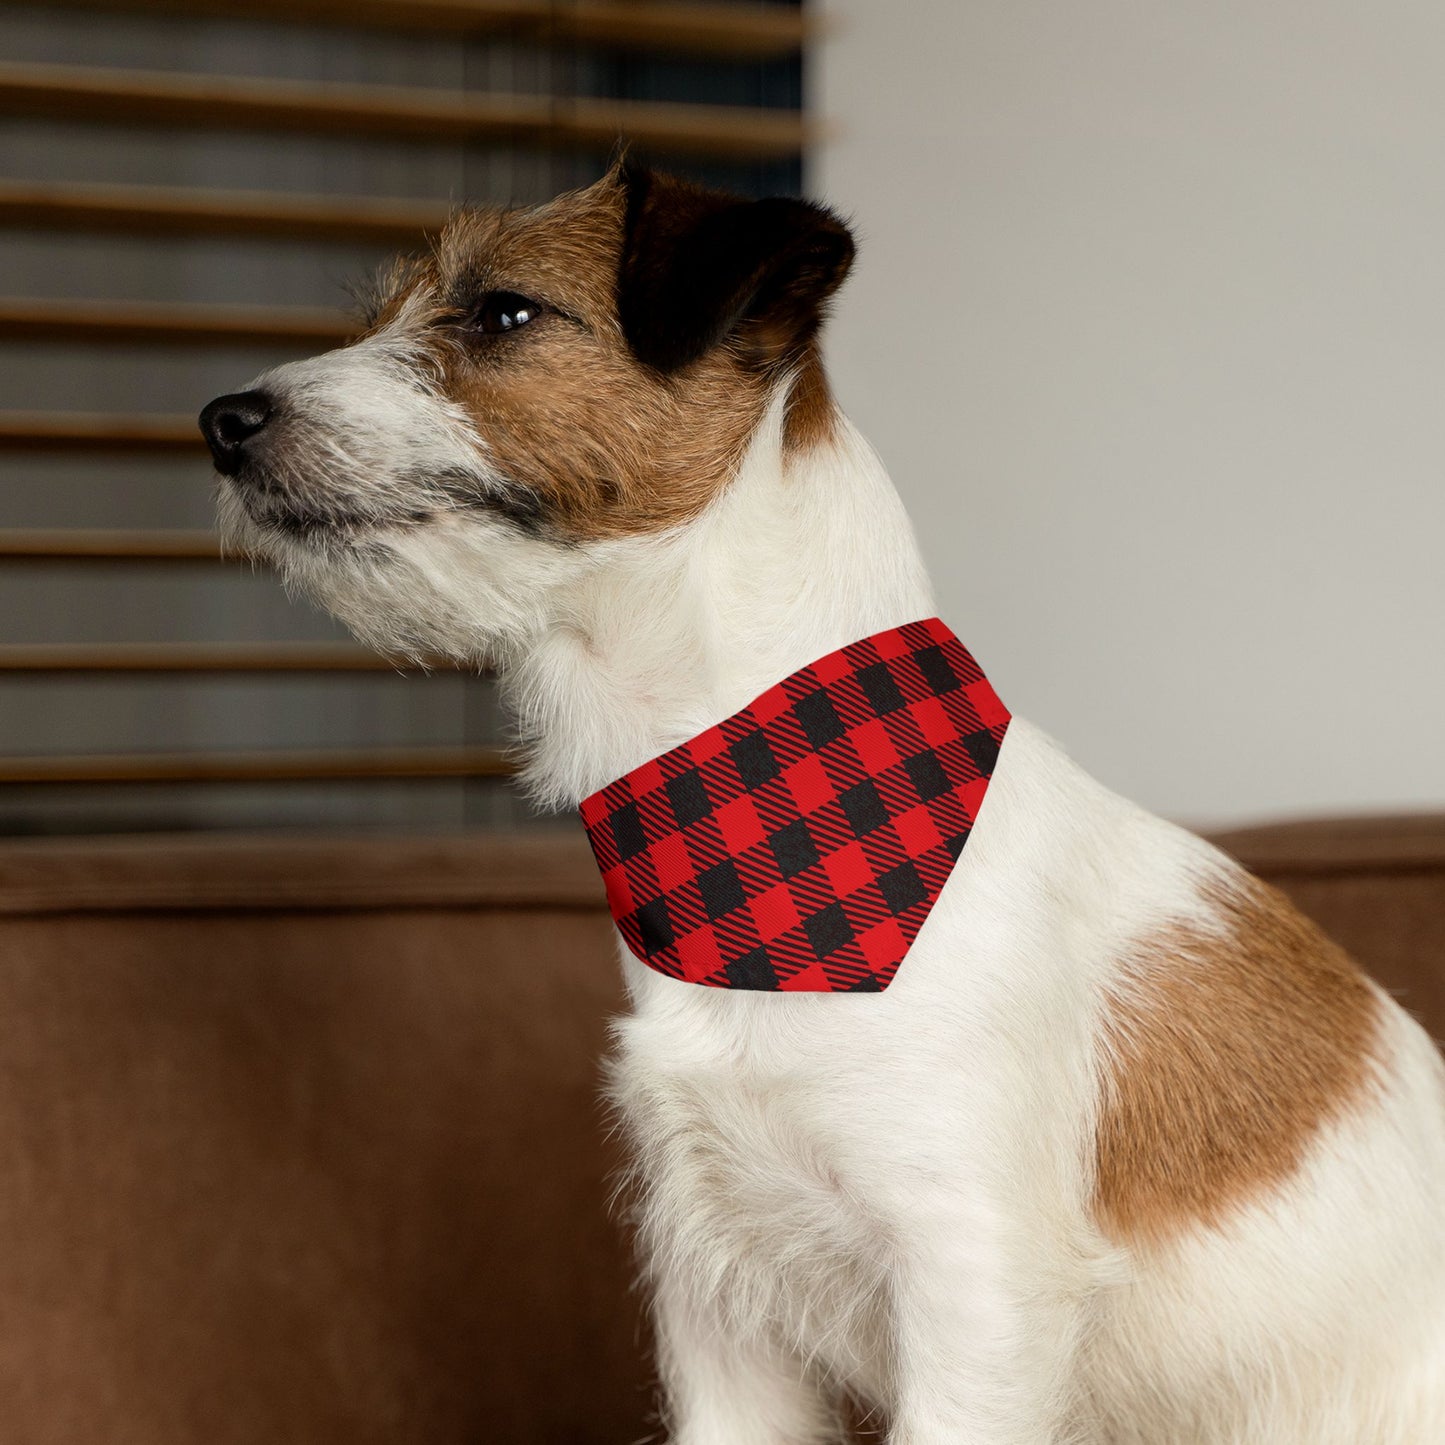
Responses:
[606,445]
[1228,1051]
[812,415]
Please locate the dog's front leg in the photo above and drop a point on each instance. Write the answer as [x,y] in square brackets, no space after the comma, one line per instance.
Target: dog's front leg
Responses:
[985,1337]
[722,1386]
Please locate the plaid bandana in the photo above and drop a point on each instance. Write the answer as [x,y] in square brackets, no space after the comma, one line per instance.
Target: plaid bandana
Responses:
[799,844]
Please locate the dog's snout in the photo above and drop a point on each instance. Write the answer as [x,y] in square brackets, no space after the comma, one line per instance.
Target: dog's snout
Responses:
[229,422]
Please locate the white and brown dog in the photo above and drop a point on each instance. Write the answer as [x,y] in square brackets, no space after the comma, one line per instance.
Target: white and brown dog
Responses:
[1128,1152]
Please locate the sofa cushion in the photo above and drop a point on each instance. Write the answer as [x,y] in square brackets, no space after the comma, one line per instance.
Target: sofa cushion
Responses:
[302,1141]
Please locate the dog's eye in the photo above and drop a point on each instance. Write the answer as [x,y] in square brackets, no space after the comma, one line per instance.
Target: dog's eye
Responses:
[504,311]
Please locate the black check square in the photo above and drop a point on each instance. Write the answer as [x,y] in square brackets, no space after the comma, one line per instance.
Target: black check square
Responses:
[754,761]
[880,689]
[794,848]
[654,926]
[936,670]
[752,970]
[721,888]
[627,832]
[819,718]
[863,807]
[688,797]
[901,888]
[927,776]
[983,750]
[828,930]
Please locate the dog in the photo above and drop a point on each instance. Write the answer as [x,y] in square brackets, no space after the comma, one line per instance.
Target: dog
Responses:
[1127,1153]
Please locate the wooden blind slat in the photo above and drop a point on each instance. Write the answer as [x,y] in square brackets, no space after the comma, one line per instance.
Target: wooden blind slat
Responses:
[759,32]
[172,211]
[187,657]
[83,544]
[219,102]
[271,766]
[751,31]
[77,431]
[172,323]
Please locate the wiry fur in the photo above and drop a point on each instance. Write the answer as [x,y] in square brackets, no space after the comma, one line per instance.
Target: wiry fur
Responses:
[895,1195]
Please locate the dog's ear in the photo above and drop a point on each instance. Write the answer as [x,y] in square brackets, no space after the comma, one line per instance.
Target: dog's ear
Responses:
[699,266]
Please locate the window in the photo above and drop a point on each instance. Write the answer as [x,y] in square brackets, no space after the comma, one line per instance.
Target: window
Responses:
[185,193]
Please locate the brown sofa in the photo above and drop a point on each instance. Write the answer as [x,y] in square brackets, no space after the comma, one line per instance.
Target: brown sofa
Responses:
[302,1142]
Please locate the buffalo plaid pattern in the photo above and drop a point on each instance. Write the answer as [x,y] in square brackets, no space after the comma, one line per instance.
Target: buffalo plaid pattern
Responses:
[799,844]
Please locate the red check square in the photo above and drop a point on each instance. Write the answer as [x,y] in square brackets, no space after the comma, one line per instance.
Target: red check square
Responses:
[671,862]
[809,784]
[699,954]
[970,796]
[874,746]
[772,705]
[708,746]
[984,701]
[848,870]
[774,912]
[833,668]
[889,645]
[917,831]
[933,722]
[884,944]
[647,778]
[811,979]
[739,824]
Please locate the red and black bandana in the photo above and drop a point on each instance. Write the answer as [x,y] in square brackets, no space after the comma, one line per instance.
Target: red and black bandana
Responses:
[799,844]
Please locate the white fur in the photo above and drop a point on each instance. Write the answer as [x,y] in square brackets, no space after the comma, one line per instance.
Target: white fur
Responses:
[889,1194]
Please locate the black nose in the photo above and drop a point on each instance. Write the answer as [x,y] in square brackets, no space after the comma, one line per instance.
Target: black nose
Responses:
[229,422]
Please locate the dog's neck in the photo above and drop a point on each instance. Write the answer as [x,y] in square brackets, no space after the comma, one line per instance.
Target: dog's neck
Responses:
[802,553]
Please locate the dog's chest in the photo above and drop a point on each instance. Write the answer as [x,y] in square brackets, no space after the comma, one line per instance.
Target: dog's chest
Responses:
[747,1165]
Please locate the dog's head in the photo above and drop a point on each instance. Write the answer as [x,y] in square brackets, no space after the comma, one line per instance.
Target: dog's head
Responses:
[542,384]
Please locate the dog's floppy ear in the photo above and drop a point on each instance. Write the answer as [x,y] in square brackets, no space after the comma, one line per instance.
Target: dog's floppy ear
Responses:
[698,266]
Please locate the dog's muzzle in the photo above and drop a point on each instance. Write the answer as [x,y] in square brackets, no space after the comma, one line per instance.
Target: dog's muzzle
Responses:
[231,423]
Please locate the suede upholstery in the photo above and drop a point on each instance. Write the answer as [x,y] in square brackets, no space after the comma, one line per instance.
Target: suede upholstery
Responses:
[302,1142]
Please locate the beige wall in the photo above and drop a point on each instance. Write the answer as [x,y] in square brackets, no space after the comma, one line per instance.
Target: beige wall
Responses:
[1149,323]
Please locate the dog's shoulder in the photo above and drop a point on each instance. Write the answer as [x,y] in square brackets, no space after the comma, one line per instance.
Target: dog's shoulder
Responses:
[1232,1038]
